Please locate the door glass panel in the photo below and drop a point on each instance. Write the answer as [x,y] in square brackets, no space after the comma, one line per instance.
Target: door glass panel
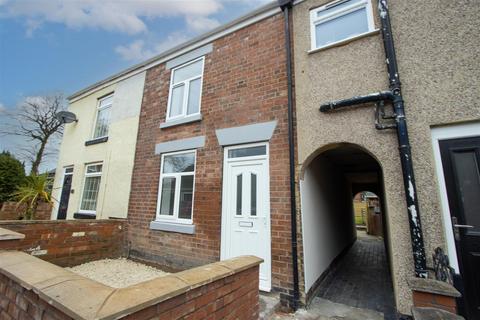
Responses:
[247,152]
[239,195]
[186,197]
[253,194]
[468,181]
[168,196]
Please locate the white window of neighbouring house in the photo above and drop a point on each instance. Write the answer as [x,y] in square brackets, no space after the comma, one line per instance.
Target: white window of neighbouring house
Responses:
[339,21]
[91,186]
[177,181]
[103,117]
[185,90]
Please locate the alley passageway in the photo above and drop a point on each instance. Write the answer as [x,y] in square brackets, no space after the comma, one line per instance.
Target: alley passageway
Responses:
[362,278]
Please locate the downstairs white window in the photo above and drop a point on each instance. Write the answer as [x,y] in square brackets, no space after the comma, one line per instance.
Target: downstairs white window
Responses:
[177,181]
[340,20]
[91,186]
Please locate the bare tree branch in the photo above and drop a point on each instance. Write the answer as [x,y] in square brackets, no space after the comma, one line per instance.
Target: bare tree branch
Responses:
[35,120]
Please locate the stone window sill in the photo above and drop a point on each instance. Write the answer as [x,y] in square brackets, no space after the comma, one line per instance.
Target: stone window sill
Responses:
[95,141]
[172,227]
[189,119]
[79,215]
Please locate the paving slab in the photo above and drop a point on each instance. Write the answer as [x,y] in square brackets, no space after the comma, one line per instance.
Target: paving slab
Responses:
[322,309]
[269,303]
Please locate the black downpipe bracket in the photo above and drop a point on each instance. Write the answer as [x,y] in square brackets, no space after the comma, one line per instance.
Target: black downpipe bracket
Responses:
[285,5]
[395,97]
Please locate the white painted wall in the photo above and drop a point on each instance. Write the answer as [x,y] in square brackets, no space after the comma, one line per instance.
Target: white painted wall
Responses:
[327,218]
[117,154]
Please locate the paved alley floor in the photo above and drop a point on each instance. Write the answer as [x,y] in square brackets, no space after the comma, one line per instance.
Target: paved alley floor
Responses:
[360,287]
[362,278]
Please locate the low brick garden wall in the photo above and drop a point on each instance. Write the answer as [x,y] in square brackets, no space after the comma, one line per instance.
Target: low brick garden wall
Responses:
[31,288]
[12,211]
[68,242]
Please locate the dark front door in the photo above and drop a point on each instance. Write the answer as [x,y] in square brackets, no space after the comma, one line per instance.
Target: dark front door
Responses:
[461,165]
[63,206]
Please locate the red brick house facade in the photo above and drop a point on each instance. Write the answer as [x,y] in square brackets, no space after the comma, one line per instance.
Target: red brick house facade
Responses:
[244,83]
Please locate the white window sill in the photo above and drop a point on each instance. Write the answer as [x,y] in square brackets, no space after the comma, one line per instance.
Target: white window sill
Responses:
[345,41]
[176,122]
[172,227]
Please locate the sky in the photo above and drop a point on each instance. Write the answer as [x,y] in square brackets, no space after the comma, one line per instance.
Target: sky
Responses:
[62,46]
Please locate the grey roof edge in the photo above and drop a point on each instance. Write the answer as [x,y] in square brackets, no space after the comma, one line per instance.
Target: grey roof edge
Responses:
[252,14]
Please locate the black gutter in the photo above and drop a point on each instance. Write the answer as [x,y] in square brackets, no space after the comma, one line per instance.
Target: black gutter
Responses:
[395,97]
[285,5]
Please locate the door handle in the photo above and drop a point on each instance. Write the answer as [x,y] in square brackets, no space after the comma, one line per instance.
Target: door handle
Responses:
[463,226]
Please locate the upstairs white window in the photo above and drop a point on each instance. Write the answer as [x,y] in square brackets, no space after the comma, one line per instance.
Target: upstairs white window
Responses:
[175,197]
[91,186]
[103,117]
[339,21]
[185,90]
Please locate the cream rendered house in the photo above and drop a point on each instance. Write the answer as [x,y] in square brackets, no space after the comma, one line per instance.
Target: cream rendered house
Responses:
[97,153]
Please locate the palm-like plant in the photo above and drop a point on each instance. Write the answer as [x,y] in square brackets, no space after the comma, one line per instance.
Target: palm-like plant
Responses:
[31,193]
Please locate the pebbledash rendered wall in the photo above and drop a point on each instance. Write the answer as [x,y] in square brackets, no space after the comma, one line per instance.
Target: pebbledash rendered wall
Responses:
[244,82]
[437,52]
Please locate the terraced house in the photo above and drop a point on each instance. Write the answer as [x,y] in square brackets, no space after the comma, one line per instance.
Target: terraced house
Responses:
[237,143]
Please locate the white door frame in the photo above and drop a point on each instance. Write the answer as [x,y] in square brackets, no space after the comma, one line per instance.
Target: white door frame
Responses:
[56,207]
[226,162]
[445,133]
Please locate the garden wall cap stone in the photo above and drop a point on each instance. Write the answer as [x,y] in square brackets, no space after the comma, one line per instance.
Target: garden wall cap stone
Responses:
[434,314]
[82,298]
[6,234]
[433,286]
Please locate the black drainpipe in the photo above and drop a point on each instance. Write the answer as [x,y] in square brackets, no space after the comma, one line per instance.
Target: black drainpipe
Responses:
[285,5]
[394,96]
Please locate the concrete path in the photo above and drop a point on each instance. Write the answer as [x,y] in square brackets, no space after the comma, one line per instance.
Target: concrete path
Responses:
[322,309]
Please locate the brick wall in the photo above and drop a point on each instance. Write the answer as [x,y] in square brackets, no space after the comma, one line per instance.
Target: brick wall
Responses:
[234,297]
[222,291]
[16,302]
[68,242]
[12,211]
[432,300]
[244,83]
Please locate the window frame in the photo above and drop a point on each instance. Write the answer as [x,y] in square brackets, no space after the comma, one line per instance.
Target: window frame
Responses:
[185,91]
[85,176]
[176,202]
[100,108]
[314,21]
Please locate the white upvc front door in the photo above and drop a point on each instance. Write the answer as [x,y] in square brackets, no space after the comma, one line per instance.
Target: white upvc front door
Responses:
[246,206]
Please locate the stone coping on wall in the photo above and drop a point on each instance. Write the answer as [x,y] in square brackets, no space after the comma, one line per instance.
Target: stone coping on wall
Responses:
[6,234]
[20,222]
[82,298]
[433,286]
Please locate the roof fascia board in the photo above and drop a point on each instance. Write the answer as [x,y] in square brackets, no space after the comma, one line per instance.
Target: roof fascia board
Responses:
[256,16]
